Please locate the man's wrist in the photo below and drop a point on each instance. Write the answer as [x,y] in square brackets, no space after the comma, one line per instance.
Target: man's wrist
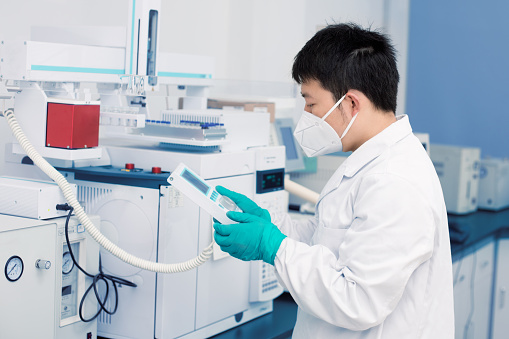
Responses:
[276,241]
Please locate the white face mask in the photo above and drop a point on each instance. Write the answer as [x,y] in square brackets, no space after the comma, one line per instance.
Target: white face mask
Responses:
[316,136]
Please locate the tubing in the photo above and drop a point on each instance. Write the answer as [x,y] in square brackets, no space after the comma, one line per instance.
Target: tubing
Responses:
[301,191]
[83,218]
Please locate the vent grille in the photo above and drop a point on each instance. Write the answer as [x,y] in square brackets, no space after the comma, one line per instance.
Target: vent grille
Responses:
[105,318]
[90,195]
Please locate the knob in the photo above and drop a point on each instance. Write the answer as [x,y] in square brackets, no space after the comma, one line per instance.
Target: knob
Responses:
[129,166]
[156,170]
[43,264]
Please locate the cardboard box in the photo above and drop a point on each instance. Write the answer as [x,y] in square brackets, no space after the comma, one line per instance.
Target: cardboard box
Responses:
[249,106]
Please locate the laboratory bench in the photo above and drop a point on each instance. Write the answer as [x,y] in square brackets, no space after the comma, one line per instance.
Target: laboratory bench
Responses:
[467,231]
[276,325]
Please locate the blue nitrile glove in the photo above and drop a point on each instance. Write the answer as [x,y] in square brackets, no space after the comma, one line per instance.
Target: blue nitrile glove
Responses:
[253,238]
[244,203]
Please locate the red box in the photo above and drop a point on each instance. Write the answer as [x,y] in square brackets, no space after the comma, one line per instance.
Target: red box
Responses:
[72,126]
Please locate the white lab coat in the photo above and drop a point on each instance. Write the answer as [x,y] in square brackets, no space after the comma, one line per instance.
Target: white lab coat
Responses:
[375,261]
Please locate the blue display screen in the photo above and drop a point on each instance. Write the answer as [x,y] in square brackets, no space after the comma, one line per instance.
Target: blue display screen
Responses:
[289,142]
[270,180]
[195,181]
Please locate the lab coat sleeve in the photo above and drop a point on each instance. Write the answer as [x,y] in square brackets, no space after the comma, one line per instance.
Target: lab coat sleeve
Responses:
[299,230]
[391,235]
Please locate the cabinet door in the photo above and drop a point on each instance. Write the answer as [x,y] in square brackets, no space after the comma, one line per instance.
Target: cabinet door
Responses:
[27,305]
[483,281]
[501,302]
[462,270]
[473,276]
[223,285]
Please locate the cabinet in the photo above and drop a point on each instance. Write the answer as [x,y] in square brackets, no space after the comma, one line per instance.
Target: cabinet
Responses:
[473,279]
[501,302]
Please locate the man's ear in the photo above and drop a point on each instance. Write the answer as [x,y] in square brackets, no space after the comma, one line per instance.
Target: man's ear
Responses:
[352,103]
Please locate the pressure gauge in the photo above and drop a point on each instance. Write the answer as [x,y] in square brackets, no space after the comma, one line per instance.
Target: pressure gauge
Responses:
[67,263]
[14,268]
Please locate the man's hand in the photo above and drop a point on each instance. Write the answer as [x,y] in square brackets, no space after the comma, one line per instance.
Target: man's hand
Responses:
[244,203]
[253,238]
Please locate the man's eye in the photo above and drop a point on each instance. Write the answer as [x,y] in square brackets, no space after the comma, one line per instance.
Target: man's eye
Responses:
[310,105]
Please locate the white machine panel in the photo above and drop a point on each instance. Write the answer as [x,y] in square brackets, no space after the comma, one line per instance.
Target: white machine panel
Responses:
[48,295]
[176,293]
[31,198]
[200,192]
[34,289]
[458,171]
[269,194]
[31,112]
[45,61]
[205,196]
[129,218]
[71,283]
[189,304]
[494,184]
[176,65]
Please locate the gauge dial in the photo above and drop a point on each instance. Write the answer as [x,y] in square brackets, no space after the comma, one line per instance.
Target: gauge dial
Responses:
[14,268]
[67,263]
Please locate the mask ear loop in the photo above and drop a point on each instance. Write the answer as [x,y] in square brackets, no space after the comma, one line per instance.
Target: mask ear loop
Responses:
[333,108]
[349,125]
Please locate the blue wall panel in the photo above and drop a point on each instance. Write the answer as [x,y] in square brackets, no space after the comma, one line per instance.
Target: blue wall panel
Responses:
[458,73]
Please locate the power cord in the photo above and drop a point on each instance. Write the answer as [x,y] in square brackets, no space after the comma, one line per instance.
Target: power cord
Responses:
[106,278]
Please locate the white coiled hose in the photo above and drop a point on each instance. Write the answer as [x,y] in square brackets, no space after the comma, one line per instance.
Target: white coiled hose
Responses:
[83,218]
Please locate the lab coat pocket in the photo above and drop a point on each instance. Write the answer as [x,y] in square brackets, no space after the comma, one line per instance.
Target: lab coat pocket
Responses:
[329,237]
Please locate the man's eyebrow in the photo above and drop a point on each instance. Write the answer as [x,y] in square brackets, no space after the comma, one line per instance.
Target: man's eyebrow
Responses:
[306,95]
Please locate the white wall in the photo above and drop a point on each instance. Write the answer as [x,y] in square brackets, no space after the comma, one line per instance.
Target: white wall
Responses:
[253,40]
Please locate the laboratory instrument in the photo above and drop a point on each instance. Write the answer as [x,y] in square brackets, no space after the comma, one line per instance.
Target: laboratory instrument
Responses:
[203,130]
[148,217]
[40,283]
[494,184]
[458,170]
[196,189]
[141,212]
[31,198]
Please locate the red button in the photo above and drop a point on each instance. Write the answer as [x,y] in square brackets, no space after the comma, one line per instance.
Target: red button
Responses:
[156,170]
[129,166]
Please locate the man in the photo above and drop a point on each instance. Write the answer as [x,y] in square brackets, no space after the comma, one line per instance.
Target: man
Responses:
[375,260]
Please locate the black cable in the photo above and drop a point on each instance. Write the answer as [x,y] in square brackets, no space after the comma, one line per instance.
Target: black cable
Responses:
[106,278]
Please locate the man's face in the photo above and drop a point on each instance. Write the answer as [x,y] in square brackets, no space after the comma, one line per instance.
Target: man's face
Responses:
[319,101]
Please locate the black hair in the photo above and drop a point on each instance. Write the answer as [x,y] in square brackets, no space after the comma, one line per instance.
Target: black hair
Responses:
[345,56]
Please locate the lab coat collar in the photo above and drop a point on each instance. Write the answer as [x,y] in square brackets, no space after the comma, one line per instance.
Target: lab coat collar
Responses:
[375,146]
[368,151]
